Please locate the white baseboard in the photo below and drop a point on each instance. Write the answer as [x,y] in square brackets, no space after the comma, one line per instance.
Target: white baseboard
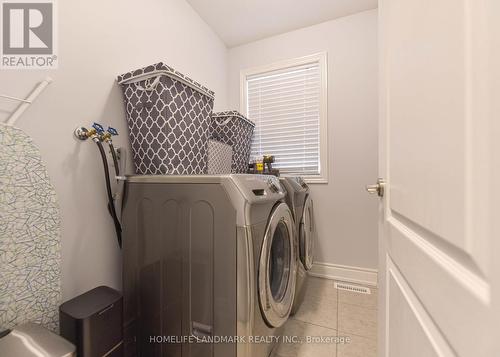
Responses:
[344,273]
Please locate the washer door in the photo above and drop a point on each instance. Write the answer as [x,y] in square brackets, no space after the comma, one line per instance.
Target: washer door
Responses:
[277,267]
[307,234]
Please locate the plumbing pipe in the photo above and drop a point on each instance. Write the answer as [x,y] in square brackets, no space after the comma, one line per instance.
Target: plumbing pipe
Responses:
[107,137]
[96,133]
[111,204]
[115,159]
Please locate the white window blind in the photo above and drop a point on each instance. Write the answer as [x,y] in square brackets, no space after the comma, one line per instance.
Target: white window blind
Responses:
[285,105]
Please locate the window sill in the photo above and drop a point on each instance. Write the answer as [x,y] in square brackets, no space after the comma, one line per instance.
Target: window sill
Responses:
[309,179]
[315,180]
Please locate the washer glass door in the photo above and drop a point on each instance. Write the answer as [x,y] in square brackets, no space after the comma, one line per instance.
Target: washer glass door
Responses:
[307,234]
[277,267]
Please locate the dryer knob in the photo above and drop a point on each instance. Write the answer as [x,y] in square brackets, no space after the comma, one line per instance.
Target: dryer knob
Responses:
[301,182]
[273,187]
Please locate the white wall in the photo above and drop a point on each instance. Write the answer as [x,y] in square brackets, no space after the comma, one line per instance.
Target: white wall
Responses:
[99,40]
[346,215]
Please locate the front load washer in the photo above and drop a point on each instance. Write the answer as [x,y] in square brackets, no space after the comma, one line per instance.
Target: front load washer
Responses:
[300,202]
[209,265]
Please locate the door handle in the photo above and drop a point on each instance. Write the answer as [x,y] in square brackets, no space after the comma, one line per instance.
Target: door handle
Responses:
[378,188]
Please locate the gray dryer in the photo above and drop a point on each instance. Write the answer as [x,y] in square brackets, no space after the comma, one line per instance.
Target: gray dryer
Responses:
[300,202]
[206,257]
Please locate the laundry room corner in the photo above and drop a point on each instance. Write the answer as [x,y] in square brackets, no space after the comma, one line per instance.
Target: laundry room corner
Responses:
[346,217]
[83,91]
[235,178]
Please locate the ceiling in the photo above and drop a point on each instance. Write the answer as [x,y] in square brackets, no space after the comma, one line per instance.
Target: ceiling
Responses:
[242,21]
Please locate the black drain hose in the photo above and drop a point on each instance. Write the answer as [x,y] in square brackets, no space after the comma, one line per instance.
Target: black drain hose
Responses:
[115,159]
[111,205]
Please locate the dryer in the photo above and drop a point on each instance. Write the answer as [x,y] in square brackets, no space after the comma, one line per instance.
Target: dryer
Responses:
[300,202]
[206,258]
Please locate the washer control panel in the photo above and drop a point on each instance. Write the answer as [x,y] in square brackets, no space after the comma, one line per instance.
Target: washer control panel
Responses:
[300,181]
[261,185]
[273,183]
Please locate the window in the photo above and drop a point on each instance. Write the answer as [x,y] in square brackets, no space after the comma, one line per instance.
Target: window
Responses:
[287,101]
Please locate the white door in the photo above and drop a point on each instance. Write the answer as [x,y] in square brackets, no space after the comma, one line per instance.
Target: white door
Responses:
[439,152]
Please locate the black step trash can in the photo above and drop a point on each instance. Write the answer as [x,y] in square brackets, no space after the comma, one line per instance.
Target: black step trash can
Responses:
[93,322]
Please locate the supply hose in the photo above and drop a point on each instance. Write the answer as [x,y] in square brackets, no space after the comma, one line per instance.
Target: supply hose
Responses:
[115,159]
[111,205]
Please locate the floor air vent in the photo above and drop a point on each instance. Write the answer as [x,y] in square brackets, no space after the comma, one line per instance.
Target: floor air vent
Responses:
[354,288]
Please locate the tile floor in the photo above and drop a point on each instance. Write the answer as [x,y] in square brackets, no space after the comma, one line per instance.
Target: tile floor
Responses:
[330,313]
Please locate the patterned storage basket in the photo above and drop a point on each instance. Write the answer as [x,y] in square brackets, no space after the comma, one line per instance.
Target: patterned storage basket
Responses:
[234,129]
[168,117]
[220,158]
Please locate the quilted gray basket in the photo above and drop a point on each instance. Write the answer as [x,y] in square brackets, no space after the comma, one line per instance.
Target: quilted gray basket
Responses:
[234,129]
[168,116]
[220,158]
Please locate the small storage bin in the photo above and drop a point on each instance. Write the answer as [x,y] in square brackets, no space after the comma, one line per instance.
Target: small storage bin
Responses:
[168,116]
[220,158]
[234,129]
[93,321]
